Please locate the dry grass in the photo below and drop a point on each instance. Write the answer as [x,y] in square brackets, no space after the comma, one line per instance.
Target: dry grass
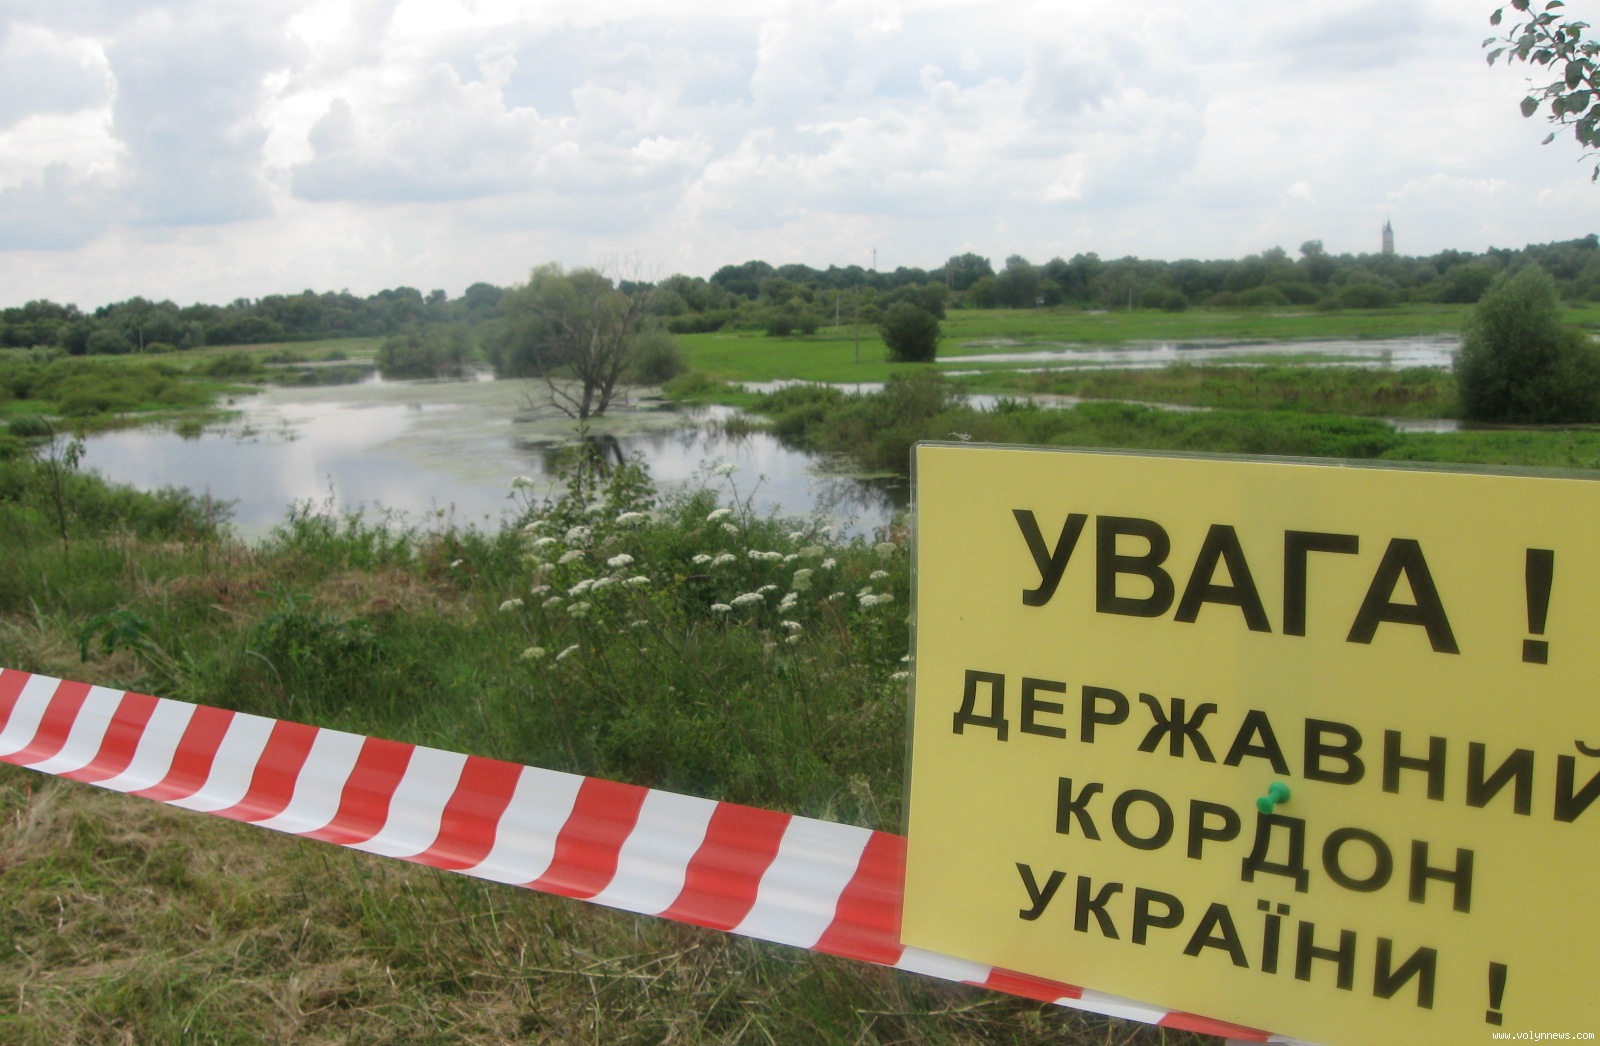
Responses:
[129,922]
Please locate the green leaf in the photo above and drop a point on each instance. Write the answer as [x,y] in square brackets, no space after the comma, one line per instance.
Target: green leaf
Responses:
[1549,138]
[1553,4]
[1574,73]
[1496,53]
[1520,5]
[1530,105]
[1494,19]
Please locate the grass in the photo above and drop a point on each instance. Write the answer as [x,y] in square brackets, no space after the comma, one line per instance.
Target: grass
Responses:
[131,922]
[831,354]
[1418,392]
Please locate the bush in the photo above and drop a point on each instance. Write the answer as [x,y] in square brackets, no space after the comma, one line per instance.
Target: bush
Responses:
[231,365]
[911,333]
[656,359]
[699,322]
[1361,296]
[1518,363]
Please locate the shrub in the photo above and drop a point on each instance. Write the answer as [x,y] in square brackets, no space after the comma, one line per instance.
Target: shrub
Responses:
[656,359]
[1518,363]
[911,333]
[231,365]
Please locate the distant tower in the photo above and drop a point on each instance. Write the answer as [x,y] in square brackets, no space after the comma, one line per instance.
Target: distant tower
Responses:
[1388,237]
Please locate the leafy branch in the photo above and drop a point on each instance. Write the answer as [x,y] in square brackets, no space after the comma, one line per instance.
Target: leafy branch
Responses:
[1548,40]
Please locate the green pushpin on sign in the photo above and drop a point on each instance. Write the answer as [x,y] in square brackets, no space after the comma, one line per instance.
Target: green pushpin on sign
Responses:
[1277,793]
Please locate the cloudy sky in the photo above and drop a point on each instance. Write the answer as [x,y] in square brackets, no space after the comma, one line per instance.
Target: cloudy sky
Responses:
[203,150]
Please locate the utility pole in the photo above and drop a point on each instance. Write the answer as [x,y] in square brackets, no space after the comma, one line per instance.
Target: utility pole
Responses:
[858,323]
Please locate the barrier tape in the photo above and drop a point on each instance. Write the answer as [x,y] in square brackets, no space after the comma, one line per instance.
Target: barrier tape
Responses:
[777,877]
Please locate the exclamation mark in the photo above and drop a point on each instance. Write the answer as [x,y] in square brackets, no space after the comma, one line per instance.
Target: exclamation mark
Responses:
[1539,570]
[1497,992]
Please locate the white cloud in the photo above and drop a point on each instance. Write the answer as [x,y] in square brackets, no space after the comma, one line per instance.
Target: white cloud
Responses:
[440,142]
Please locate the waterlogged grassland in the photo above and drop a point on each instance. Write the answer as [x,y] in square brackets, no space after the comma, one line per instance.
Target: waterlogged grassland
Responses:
[877,430]
[683,644]
[1418,392]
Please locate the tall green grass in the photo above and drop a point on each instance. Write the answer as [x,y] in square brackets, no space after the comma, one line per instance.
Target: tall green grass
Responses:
[760,661]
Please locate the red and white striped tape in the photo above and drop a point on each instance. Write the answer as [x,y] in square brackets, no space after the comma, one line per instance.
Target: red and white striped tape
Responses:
[793,880]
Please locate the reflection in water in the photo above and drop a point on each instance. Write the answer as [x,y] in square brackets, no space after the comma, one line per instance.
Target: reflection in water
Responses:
[451,450]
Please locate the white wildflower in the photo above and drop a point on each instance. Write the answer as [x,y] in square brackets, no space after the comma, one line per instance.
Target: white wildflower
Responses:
[897,676]
[544,569]
[718,514]
[701,558]
[641,623]
[569,555]
[796,535]
[828,564]
[763,556]
[878,575]
[603,582]
[510,604]
[885,549]
[723,557]
[631,519]
[865,591]
[764,589]
[561,656]
[553,601]
[802,579]
[905,659]
[578,610]
[522,483]
[581,587]
[868,600]
[727,468]
[836,596]
[720,608]
[730,530]
[793,626]
[637,581]
[748,598]
[813,552]
[579,536]
[620,560]
[533,653]
[787,603]
[791,640]
[791,557]
[532,559]
[544,542]
[456,563]
[538,590]
[826,531]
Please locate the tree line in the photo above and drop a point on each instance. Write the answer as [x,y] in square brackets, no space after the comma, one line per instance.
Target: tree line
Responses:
[798,299]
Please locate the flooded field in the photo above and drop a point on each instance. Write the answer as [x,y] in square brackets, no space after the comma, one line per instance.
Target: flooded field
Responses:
[452,448]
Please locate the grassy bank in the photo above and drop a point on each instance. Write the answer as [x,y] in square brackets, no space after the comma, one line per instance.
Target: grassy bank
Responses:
[682,644]
[1416,392]
[876,431]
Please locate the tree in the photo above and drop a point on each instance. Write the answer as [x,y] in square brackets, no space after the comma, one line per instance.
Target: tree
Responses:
[1552,42]
[912,333]
[577,331]
[1519,363]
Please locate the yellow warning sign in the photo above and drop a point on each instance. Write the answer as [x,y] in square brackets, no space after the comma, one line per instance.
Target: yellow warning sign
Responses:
[1308,747]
